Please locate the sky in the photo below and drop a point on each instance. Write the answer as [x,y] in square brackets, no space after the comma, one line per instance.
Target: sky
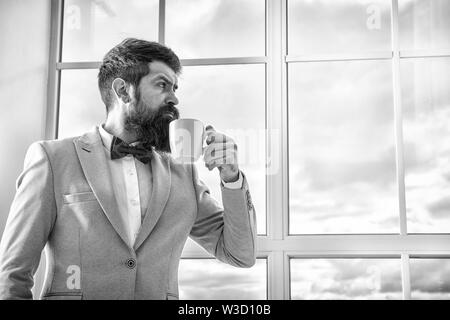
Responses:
[342,166]
[367,279]
[221,281]
[342,142]
[342,148]
[216,28]
[91,28]
[330,27]
[430,278]
[344,279]
[426,101]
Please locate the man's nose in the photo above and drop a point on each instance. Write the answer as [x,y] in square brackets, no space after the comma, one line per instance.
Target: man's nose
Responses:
[172,99]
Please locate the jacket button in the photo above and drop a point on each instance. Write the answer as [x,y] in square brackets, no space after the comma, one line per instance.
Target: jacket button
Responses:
[131,263]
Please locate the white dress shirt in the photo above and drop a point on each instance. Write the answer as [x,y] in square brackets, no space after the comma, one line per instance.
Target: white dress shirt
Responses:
[132,185]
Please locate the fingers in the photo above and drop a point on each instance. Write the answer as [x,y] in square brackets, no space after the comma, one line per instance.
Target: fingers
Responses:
[209,130]
[213,136]
[218,154]
[217,148]
[220,162]
[221,149]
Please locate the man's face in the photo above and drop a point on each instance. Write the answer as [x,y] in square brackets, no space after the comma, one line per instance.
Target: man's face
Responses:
[153,106]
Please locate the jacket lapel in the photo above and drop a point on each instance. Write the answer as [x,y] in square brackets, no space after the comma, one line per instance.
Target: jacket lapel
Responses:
[90,151]
[160,195]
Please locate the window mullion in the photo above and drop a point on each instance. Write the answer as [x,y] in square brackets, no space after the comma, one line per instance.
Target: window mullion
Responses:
[276,145]
[54,74]
[162,22]
[406,282]
[398,117]
[276,276]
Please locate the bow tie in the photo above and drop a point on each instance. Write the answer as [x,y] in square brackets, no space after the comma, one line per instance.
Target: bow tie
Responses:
[120,149]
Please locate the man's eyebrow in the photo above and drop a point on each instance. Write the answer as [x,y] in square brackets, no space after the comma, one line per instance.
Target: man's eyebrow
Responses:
[162,76]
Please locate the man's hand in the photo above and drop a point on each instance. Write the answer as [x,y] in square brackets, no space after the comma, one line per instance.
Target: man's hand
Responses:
[221,153]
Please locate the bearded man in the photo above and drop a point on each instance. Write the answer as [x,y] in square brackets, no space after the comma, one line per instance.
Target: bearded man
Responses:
[112,208]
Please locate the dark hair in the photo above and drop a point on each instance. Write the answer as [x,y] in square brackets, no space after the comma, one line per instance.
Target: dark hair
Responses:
[129,61]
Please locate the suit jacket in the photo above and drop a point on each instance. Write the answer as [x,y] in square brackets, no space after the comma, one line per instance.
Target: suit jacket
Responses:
[65,203]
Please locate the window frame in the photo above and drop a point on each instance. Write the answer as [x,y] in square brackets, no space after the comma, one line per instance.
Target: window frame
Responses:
[277,245]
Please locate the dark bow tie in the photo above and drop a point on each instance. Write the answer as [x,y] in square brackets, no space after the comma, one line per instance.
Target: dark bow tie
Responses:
[120,149]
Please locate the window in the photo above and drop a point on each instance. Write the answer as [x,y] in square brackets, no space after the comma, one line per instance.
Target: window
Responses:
[424,25]
[91,28]
[344,279]
[216,29]
[342,148]
[327,26]
[80,101]
[340,110]
[426,115]
[221,281]
[430,278]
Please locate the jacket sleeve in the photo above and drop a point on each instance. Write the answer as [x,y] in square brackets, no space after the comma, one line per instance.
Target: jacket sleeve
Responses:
[30,220]
[229,233]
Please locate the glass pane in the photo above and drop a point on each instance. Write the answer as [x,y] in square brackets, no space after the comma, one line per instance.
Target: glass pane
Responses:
[426,134]
[216,28]
[81,107]
[232,99]
[342,168]
[330,26]
[92,28]
[430,278]
[345,279]
[210,279]
[424,24]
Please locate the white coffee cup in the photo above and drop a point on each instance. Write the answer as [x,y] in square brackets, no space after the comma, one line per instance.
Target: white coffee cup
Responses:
[186,137]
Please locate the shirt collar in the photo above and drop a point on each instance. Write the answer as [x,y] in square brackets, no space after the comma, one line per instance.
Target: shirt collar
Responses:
[107,137]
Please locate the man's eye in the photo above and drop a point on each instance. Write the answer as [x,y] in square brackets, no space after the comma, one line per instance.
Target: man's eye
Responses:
[162,84]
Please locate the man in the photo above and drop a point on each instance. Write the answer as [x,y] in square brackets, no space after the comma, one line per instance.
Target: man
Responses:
[112,208]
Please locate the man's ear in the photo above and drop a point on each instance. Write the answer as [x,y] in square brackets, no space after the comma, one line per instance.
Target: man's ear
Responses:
[121,90]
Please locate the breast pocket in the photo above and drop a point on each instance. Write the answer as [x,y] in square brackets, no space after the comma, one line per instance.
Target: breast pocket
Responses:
[171,296]
[79,197]
[63,296]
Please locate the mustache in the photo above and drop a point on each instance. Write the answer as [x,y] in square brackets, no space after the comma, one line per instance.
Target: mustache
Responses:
[155,131]
[168,112]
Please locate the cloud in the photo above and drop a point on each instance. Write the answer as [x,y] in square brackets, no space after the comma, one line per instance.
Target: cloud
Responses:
[440,208]
[430,275]
[325,174]
[211,279]
[391,282]
[336,26]
[346,278]
[216,28]
[418,30]
[341,142]
[341,123]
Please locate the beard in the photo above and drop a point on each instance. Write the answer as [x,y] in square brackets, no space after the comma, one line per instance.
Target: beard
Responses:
[151,127]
